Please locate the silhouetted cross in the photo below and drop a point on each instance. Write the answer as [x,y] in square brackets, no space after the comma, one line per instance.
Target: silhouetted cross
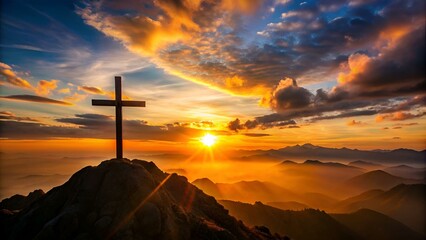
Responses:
[118,103]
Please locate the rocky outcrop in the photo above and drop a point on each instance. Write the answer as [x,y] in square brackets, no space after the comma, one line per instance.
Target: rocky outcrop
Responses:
[122,199]
[18,202]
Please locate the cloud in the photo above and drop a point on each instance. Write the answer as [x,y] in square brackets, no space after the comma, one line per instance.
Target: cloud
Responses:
[6,115]
[236,125]
[287,95]
[97,126]
[44,87]
[7,75]
[355,123]
[99,91]
[76,97]
[397,71]
[375,49]
[32,98]
[398,116]
[64,90]
[92,90]
[256,134]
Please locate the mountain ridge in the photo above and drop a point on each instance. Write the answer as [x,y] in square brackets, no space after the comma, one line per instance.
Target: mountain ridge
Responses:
[309,151]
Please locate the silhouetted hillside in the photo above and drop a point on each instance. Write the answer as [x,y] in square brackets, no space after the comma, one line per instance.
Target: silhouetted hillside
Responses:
[122,199]
[377,179]
[245,190]
[307,224]
[407,172]
[251,191]
[291,205]
[18,202]
[317,176]
[365,165]
[372,225]
[208,186]
[405,203]
[314,224]
[313,167]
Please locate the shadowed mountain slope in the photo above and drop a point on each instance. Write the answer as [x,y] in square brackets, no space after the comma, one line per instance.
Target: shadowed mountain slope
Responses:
[122,199]
[252,191]
[373,225]
[307,224]
[407,172]
[291,205]
[377,179]
[314,224]
[248,191]
[18,202]
[365,165]
[405,203]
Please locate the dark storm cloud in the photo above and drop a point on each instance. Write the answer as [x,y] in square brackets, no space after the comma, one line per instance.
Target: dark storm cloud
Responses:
[33,98]
[96,126]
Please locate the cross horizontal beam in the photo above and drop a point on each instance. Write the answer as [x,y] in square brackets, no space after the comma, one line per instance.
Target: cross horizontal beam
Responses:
[102,102]
[133,103]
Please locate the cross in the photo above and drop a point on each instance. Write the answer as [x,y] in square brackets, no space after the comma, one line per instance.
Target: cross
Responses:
[118,103]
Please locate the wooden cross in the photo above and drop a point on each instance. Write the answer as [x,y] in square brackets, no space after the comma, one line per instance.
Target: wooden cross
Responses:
[118,103]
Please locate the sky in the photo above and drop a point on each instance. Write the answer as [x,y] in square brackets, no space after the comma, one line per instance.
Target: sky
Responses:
[256,74]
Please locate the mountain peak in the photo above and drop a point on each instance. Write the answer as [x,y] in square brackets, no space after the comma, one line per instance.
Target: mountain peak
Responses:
[316,162]
[126,199]
[308,145]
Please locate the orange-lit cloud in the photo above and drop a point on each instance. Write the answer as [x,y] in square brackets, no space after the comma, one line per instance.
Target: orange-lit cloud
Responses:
[357,64]
[244,6]
[64,90]
[92,90]
[355,123]
[7,75]
[44,87]
[100,91]
[76,97]
[398,116]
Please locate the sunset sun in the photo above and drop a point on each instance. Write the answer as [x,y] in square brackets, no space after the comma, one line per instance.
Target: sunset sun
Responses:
[208,140]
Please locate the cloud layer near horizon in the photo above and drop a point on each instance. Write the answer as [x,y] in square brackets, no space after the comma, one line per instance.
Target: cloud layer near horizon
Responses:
[93,126]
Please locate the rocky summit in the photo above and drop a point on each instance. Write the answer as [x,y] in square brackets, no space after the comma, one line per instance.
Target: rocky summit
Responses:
[123,199]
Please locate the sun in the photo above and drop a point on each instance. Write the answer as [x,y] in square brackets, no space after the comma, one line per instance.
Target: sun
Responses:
[208,140]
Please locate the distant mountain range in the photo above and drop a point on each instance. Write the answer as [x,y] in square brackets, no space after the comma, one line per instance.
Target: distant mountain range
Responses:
[309,151]
[310,224]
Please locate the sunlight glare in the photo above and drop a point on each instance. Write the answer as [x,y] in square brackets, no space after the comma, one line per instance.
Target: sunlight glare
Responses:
[208,140]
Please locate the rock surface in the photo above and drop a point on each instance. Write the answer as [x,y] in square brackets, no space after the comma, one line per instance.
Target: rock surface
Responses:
[122,199]
[18,202]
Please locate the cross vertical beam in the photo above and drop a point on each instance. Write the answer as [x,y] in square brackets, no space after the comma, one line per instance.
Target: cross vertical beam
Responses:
[119,104]
[118,118]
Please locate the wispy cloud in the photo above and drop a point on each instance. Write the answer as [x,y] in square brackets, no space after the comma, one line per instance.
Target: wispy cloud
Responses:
[33,98]
[8,76]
